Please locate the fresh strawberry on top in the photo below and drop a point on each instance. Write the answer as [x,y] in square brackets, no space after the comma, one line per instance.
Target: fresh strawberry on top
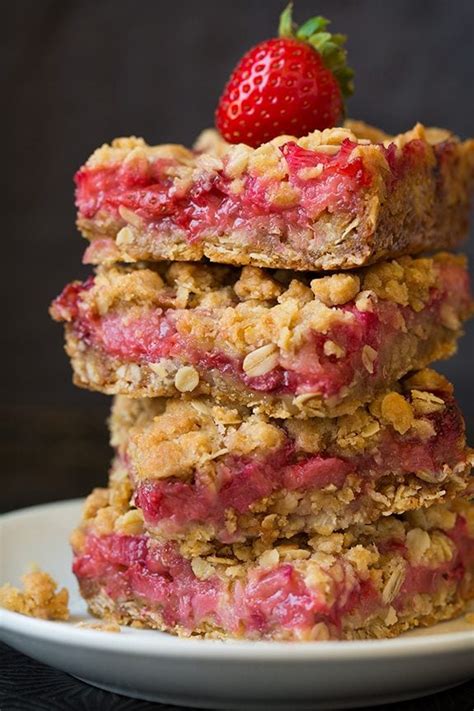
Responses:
[292,84]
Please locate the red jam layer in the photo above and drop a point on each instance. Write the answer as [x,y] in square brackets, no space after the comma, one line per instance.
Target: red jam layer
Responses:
[130,568]
[210,202]
[171,506]
[159,577]
[154,334]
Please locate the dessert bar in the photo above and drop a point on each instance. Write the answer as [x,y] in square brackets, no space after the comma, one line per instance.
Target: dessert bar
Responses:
[335,199]
[201,472]
[285,345]
[370,581]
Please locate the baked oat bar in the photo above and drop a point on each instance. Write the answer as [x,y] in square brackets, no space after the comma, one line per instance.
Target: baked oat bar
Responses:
[370,581]
[203,472]
[284,345]
[336,199]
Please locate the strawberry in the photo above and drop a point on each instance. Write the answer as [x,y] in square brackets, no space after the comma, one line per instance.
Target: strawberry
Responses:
[292,84]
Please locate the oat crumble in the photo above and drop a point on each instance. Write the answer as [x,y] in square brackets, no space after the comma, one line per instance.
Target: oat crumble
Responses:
[40,597]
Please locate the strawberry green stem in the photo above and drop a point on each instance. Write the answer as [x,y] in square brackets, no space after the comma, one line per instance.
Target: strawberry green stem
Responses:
[329,46]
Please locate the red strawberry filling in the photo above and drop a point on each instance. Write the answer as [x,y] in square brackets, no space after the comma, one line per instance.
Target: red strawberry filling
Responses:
[157,577]
[210,203]
[171,505]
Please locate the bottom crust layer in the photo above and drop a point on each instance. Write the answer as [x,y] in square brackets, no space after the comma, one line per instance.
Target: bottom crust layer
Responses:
[133,614]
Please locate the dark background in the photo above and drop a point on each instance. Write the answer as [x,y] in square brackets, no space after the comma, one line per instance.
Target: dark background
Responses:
[77,74]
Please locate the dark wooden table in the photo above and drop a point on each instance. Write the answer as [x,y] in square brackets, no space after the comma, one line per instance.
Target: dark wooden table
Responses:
[53,454]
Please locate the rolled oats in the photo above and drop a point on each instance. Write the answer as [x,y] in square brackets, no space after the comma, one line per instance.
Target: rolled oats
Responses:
[186,379]
[261,361]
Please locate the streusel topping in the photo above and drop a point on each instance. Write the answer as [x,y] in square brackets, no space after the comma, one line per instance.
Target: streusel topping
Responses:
[171,438]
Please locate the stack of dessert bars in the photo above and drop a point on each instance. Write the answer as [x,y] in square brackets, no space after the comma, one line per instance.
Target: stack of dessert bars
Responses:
[286,467]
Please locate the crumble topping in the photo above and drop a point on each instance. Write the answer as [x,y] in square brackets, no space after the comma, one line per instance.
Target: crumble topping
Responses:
[115,289]
[40,597]
[136,150]
[187,435]
[267,158]
[337,289]
[397,411]
[172,438]
[406,281]
[254,283]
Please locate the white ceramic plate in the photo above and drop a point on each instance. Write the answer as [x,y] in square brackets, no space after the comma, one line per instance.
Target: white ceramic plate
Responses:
[211,674]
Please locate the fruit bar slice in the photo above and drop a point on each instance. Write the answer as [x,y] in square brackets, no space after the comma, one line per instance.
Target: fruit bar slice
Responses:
[370,581]
[202,472]
[286,346]
[336,199]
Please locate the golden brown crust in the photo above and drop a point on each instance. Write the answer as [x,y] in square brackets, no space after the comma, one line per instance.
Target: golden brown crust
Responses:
[426,210]
[427,611]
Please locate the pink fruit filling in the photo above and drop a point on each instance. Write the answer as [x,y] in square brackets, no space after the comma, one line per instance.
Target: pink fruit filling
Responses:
[211,204]
[159,577]
[153,334]
[155,576]
[171,505]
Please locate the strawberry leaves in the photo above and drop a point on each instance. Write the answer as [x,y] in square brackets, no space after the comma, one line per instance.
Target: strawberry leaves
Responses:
[329,46]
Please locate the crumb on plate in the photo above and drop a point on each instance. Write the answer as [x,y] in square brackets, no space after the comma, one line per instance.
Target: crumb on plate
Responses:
[39,598]
[99,626]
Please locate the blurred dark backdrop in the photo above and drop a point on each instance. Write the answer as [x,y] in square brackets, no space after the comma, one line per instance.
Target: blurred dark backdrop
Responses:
[77,74]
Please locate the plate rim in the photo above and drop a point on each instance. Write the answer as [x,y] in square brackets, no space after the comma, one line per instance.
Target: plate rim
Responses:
[159,643]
